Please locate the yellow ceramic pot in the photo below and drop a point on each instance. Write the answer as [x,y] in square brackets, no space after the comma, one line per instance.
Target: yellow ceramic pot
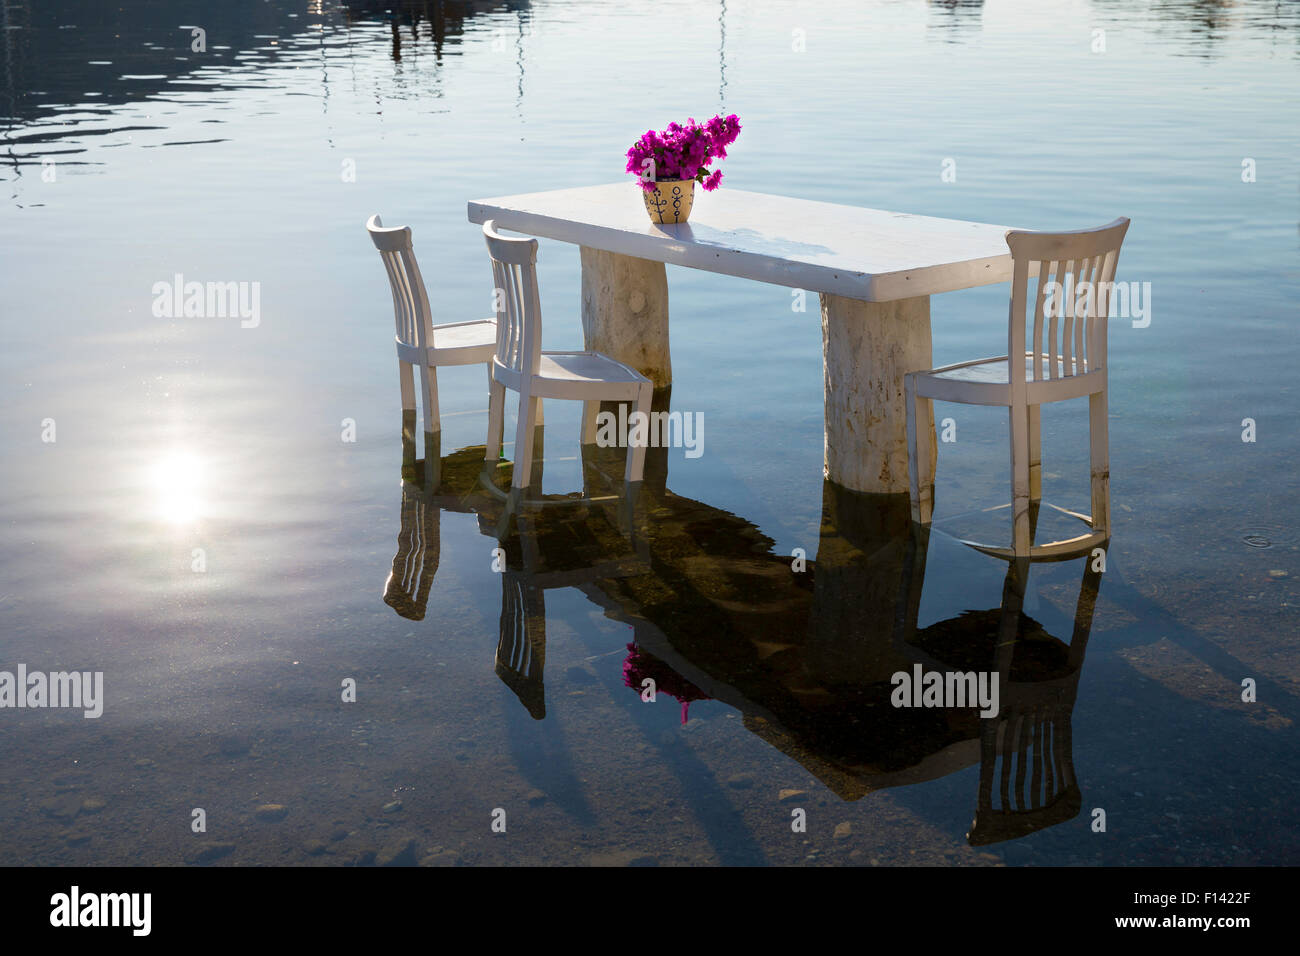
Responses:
[671,200]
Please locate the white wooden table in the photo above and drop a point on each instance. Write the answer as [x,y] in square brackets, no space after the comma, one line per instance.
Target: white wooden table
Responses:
[874,270]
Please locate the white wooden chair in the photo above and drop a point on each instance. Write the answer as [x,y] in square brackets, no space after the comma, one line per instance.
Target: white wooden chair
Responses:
[422,344]
[1066,359]
[522,366]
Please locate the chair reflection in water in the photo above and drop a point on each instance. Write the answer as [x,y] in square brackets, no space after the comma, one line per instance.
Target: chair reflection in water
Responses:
[521,650]
[1026,754]
[1027,780]
[571,545]
[407,589]
[559,542]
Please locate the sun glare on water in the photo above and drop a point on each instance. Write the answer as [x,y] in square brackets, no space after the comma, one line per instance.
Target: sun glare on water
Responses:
[176,486]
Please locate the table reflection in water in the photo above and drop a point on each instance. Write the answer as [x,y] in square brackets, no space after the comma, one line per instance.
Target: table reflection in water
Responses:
[807,656]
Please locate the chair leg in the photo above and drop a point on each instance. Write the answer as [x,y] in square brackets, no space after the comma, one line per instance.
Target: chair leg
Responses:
[636,453]
[1035,452]
[1083,612]
[626,515]
[406,378]
[496,419]
[1014,588]
[1021,535]
[432,427]
[410,451]
[429,386]
[590,410]
[523,466]
[1099,443]
[433,460]
[919,466]
[513,508]
[536,473]
[906,625]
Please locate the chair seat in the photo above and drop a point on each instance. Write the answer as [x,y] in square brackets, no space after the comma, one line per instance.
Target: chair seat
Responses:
[586,368]
[990,380]
[479,334]
[995,370]
[457,343]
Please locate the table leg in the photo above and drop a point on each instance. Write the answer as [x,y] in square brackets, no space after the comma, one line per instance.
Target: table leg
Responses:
[866,589]
[625,311]
[867,348]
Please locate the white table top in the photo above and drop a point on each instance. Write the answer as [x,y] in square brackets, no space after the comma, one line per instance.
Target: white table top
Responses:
[850,251]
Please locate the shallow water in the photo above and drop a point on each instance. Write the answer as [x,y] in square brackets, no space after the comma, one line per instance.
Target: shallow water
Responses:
[128,158]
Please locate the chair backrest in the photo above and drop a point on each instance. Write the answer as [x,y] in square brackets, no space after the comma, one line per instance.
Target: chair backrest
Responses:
[410,300]
[1027,780]
[1073,275]
[515,298]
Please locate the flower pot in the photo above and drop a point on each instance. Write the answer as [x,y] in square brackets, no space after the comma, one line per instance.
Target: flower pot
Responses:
[670,201]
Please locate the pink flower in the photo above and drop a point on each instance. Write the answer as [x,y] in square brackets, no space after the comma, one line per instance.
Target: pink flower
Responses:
[682,152]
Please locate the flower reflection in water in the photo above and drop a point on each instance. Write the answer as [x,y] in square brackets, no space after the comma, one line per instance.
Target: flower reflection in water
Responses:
[638,666]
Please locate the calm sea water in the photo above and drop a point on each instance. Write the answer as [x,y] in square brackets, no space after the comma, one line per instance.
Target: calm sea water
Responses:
[181,511]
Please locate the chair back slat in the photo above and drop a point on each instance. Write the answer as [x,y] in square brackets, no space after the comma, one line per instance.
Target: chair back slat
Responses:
[1069,317]
[1038,780]
[404,308]
[1060,747]
[514,629]
[1058,306]
[1080,316]
[1097,329]
[1075,271]
[506,331]
[1065,311]
[1040,309]
[516,300]
[1009,734]
[1022,748]
[411,313]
